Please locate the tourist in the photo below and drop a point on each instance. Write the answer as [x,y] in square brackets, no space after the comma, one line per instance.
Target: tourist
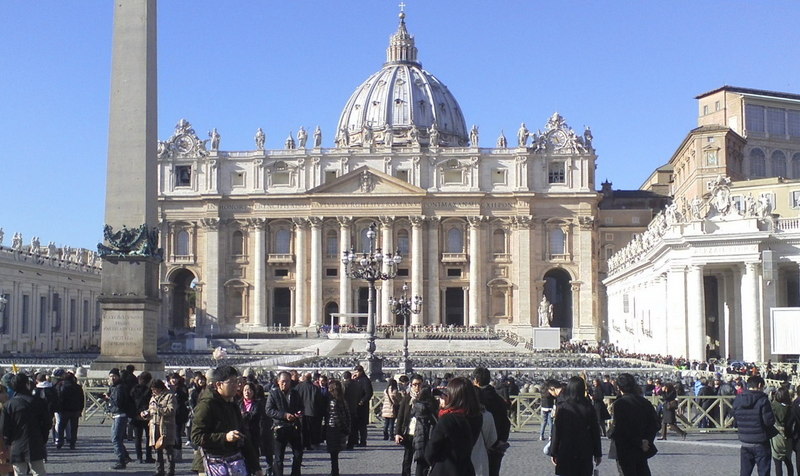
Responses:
[576,436]
[119,402]
[27,422]
[177,385]
[285,407]
[352,396]
[338,424]
[310,397]
[669,409]
[160,414]
[485,444]
[546,410]
[5,454]
[416,417]
[635,425]
[217,423]
[391,400]
[361,416]
[141,395]
[599,404]
[756,424]
[458,427]
[793,429]
[780,444]
[496,407]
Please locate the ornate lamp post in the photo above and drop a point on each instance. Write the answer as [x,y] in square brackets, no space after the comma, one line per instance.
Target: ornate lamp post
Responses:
[405,306]
[369,266]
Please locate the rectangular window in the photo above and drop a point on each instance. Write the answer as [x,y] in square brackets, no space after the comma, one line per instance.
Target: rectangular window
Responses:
[705,109]
[453,177]
[454,272]
[330,176]
[711,157]
[754,118]
[609,252]
[776,121]
[499,176]
[183,175]
[608,220]
[281,178]
[402,272]
[402,175]
[609,237]
[56,311]
[237,179]
[793,123]
[625,303]
[73,315]
[331,272]
[42,313]
[26,313]
[281,273]
[556,173]
[716,106]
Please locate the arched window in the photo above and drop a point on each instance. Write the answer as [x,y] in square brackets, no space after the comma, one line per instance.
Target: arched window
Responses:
[455,240]
[332,243]
[236,303]
[557,242]
[796,165]
[363,243]
[499,241]
[182,243]
[237,243]
[758,163]
[283,242]
[778,164]
[402,242]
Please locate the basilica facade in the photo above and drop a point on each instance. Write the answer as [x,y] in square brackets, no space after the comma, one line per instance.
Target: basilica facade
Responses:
[254,238]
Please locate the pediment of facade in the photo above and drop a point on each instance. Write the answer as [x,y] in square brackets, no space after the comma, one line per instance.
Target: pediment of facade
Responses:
[365,181]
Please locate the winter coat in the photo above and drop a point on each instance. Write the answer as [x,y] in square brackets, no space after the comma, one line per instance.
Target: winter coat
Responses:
[754,417]
[47,392]
[391,399]
[162,418]
[669,408]
[310,395]
[423,420]
[120,401]
[781,445]
[252,420]
[451,443]
[793,422]
[338,426]
[213,418]
[27,422]
[484,443]
[496,406]
[70,394]
[141,395]
[635,420]
[576,438]
[181,405]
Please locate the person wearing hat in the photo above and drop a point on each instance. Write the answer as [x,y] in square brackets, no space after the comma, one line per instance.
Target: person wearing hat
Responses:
[119,399]
[361,415]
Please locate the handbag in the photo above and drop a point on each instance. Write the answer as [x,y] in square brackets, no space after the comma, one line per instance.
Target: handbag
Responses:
[232,465]
[159,443]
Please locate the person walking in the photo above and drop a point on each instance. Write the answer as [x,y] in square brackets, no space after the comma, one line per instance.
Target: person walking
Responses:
[669,405]
[5,455]
[119,402]
[484,445]
[391,400]
[781,444]
[548,402]
[635,425]
[253,408]
[416,417]
[352,395]
[141,395]
[496,406]
[599,404]
[450,446]
[160,414]
[576,437]
[309,393]
[361,417]
[338,424]
[756,423]
[71,404]
[285,407]
[26,424]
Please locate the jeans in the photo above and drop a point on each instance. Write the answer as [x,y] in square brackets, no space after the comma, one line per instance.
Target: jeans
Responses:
[118,431]
[547,419]
[388,428]
[755,455]
[67,426]
[36,468]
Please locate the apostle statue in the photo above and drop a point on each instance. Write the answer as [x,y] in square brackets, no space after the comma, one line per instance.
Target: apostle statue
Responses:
[473,136]
[302,137]
[214,135]
[545,312]
[433,134]
[522,135]
[317,138]
[260,139]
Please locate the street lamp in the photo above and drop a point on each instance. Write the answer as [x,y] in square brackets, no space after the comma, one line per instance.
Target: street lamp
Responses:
[369,266]
[404,307]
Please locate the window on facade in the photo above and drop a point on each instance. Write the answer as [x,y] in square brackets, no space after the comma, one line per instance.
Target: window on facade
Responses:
[364,244]
[453,177]
[754,118]
[402,272]
[332,244]
[402,175]
[625,303]
[778,164]
[499,241]
[402,242]
[499,303]
[705,109]
[795,199]
[711,157]
[26,313]
[237,179]
[609,252]
[281,273]
[793,123]
[237,243]
[236,302]
[281,178]
[73,315]
[85,314]
[331,272]
[453,272]
[716,106]
[499,176]
[183,175]
[776,121]
[635,220]
[608,220]
[42,314]
[557,242]
[455,240]
[330,176]
[796,165]
[609,237]
[182,243]
[283,241]
[555,173]
[758,163]
[56,303]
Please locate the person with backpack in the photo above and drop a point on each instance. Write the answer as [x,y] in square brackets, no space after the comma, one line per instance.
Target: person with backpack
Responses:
[45,390]
[71,403]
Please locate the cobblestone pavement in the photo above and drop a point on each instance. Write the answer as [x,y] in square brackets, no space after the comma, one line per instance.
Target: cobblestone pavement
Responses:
[700,454]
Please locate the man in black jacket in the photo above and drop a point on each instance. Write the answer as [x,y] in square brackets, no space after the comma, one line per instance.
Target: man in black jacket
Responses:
[404,433]
[756,422]
[495,405]
[27,422]
[285,407]
[71,403]
[119,401]
[635,426]
[361,416]
[309,393]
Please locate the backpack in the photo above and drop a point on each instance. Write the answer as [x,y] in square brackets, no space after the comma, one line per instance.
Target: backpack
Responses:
[50,396]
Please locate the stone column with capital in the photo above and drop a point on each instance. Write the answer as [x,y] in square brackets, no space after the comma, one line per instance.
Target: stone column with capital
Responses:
[259,315]
[695,315]
[432,294]
[475,278]
[130,297]
[315,299]
[524,299]
[752,336]
[676,312]
[387,287]
[301,277]
[345,292]
[417,259]
[213,291]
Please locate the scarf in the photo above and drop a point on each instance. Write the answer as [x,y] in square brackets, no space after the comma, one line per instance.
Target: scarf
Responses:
[414,394]
[248,404]
[454,411]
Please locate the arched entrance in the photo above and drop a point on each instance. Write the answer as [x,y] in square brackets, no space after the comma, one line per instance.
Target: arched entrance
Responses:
[184,299]
[558,291]
[330,308]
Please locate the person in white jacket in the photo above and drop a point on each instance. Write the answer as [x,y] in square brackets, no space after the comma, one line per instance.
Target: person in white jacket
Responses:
[486,440]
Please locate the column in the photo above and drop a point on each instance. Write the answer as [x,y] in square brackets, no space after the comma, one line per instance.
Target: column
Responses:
[466,303]
[751,317]
[770,276]
[212,291]
[417,223]
[301,279]
[523,310]
[387,287]
[575,288]
[433,294]
[345,293]
[695,315]
[259,315]
[315,305]
[475,261]
[676,312]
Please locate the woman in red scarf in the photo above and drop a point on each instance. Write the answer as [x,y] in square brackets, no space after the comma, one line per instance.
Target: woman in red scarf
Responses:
[449,449]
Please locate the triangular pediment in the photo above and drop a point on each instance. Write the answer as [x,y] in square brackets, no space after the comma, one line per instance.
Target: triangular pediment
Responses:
[367,181]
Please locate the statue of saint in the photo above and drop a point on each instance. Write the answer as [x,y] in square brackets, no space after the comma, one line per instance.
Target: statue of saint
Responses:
[522,135]
[366,136]
[545,312]
[433,134]
[473,136]
[317,138]
[344,138]
[260,139]
[413,134]
[214,135]
[302,137]
[388,136]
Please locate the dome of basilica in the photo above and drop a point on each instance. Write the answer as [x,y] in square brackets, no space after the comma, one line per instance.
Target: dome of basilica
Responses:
[402,104]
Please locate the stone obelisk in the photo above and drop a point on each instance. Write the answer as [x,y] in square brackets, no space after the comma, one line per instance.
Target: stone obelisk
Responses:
[130,293]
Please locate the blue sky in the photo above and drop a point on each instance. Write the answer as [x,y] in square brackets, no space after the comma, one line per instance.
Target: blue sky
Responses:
[630,70]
